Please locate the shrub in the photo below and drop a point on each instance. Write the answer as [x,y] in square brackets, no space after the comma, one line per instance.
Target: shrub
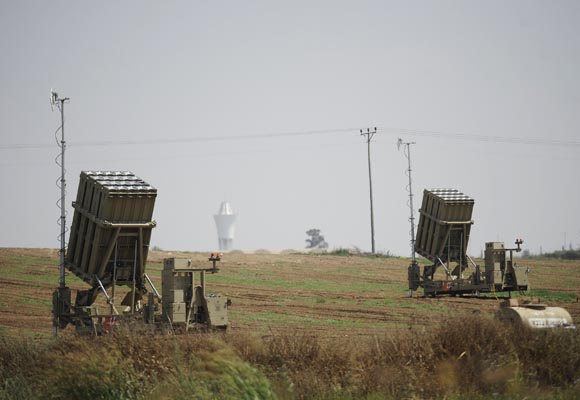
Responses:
[462,357]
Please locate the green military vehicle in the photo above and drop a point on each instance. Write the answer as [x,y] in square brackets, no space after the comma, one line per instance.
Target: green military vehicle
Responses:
[442,238]
[108,249]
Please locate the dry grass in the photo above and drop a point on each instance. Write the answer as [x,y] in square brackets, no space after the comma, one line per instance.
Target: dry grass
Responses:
[126,366]
[471,357]
[303,326]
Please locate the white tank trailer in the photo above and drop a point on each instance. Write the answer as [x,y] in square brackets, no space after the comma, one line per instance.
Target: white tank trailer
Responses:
[534,315]
[225,221]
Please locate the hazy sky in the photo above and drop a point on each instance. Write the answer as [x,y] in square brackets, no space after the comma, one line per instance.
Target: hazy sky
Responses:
[194,98]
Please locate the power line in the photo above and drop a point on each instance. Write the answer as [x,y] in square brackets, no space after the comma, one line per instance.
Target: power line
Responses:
[186,156]
[275,135]
[184,140]
[480,138]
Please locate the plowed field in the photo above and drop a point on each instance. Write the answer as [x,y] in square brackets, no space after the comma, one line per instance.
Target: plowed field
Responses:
[272,293]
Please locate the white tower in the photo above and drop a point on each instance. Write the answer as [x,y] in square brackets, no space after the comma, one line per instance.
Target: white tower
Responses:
[225,222]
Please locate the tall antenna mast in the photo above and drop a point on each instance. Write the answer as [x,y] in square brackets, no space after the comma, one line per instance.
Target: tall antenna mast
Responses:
[414,267]
[59,102]
[369,134]
[410,190]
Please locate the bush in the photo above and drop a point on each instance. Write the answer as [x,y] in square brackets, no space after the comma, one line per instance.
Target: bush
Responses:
[125,366]
[462,357]
[564,254]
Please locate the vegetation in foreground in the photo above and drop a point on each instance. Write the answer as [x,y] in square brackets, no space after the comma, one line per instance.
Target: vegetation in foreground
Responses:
[471,357]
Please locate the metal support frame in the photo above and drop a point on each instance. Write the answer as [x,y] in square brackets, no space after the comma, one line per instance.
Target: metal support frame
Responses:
[444,267]
[134,280]
[110,299]
[191,301]
[114,276]
[152,286]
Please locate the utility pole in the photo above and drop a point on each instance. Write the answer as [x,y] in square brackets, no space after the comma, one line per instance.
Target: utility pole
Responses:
[369,134]
[414,267]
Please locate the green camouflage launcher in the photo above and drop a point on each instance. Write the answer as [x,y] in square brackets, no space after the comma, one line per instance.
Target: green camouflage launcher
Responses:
[442,238]
[111,230]
[108,247]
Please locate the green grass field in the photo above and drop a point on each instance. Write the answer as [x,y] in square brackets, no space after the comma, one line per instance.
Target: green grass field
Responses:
[337,294]
[302,326]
